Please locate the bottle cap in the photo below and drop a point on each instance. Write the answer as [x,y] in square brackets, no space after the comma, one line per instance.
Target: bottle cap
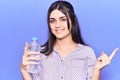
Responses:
[34,38]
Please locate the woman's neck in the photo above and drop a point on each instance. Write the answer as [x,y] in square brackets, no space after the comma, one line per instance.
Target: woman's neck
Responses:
[65,44]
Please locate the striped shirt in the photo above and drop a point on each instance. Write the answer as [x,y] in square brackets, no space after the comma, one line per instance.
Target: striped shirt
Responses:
[78,65]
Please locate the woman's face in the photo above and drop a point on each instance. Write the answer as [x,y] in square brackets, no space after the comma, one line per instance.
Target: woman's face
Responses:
[58,24]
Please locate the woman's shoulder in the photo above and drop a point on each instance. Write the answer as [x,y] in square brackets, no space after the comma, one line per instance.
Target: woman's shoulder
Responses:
[86,48]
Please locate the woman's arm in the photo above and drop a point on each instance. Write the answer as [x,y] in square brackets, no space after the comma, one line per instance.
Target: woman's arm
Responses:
[102,61]
[96,75]
[24,73]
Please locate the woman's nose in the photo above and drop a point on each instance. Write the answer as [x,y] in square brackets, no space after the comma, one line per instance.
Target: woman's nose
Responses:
[57,24]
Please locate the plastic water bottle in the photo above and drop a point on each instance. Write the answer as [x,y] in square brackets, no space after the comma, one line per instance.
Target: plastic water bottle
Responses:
[33,47]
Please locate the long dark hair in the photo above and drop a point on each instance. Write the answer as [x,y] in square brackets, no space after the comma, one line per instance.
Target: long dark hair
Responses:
[67,9]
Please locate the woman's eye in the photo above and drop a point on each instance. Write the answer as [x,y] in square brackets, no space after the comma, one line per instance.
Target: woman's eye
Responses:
[64,19]
[52,21]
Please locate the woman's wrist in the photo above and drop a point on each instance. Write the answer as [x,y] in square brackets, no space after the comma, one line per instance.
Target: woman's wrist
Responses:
[97,71]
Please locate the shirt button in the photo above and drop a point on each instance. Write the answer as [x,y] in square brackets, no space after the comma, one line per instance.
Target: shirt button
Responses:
[61,77]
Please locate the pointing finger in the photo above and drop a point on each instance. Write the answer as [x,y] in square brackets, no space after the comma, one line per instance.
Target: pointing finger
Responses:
[113,53]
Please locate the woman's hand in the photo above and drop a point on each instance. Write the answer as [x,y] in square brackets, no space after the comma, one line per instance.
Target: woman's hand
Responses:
[104,59]
[28,60]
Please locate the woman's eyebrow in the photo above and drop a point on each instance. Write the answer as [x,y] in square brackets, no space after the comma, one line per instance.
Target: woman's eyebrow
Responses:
[63,17]
[51,18]
[59,17]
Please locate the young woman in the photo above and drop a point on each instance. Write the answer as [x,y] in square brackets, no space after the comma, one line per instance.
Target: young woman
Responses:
[64,56]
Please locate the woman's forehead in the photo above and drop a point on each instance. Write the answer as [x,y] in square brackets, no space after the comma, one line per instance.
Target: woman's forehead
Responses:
[56,14]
